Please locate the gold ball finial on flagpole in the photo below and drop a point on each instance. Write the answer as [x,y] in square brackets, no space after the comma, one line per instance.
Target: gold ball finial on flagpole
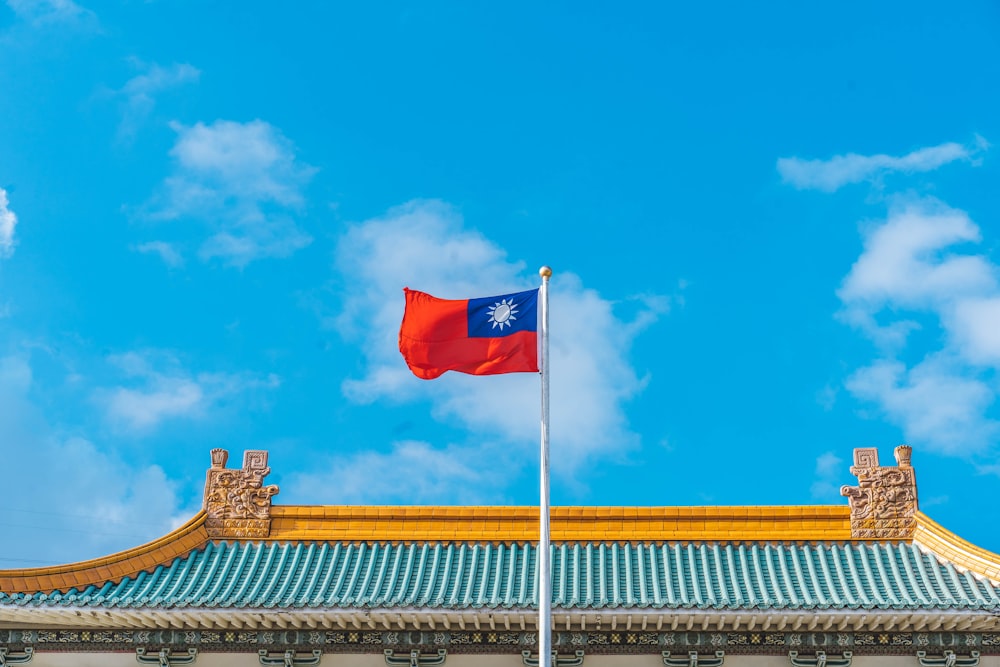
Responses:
[545,272]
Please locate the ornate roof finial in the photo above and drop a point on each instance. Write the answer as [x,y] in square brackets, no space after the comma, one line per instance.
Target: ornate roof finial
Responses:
[219,458]
[236,501]
[884,503]
[903,453]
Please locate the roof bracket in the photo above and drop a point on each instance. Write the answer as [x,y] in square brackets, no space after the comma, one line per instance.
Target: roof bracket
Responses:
[821,659]
[565,661]
[694,660]
[948,659]
[289,659]
[415,658]
[164,657]
[17,658]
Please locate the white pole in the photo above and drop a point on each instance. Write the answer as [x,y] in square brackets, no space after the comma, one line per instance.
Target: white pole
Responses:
[544,569]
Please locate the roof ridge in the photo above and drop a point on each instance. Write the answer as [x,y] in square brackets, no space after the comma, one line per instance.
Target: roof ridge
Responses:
[417,523]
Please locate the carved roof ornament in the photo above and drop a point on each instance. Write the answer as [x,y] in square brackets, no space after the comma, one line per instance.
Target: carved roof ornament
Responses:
[884,503]
[236,501]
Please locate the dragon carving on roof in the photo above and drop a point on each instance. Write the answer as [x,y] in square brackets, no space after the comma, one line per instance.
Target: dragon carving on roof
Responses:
[237,502]
[884,503]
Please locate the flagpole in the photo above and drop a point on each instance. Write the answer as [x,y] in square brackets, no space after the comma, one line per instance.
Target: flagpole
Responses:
[544,576]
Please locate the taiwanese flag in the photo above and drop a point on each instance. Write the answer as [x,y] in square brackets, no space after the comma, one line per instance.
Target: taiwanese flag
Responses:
[489,336]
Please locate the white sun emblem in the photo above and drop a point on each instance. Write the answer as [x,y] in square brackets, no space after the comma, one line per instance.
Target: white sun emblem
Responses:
[502,313]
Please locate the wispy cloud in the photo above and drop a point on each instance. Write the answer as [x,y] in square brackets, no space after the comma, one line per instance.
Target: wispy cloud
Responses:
[244,182]
[42,13]
[102,503]
[840,170]
[139,93]
[425,245]
[157,389]
[412,472]
[940,402]
[8,221]
[919,272]
[165,251]
[829,471]
[905,266]
[919,269]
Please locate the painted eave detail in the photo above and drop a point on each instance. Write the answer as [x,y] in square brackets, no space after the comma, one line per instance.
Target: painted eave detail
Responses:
[396,619]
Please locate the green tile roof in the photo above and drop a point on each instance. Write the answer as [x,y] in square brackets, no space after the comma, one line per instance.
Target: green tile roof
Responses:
[596,576]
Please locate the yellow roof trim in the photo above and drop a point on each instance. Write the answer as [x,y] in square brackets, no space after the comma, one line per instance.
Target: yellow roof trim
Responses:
[340,523]
[948,546]
[109,568]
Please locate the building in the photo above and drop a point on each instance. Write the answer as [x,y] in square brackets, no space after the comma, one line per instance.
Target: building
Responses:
[246,582]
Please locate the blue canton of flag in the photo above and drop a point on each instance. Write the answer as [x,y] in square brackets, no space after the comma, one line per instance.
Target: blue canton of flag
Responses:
[497,316]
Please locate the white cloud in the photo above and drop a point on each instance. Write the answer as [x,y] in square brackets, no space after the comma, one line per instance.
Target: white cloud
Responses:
[840,170]
[165,251]
[828,464]
[904,260]
[244,182]
[905,266]
[974,324]
[42,13]
[425,246]
[139,92]
[8,221]
[413,472]
[938,403]
[158,389]
[829,470]
[827,397]
[98,503]
[918,265]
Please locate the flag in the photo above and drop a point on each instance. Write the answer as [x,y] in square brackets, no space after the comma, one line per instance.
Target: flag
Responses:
[488,336]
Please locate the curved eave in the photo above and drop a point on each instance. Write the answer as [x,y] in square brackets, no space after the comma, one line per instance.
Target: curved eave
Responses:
[145,558]
[493,525]
[949,547]
[881,578]
[471,524]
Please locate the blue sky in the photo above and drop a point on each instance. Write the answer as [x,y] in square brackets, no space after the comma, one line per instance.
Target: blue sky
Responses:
[774,232]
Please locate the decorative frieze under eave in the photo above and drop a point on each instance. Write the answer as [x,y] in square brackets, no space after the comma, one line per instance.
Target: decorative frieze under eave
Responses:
[309,646]
[563,620]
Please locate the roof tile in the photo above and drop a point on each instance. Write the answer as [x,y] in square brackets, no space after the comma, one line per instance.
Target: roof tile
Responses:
[463,576]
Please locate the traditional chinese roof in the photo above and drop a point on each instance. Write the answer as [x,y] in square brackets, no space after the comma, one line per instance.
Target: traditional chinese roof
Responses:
[269,575]
[408,566]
